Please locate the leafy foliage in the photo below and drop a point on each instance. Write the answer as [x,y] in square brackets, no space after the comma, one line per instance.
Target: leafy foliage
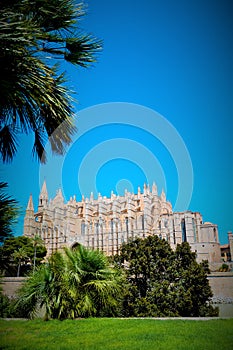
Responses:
[9,308]
[19,256]
[37,241]
[19,251]
[224,268]
[35,36]
[163,282]
[8,213]
[4,305]
[74,283]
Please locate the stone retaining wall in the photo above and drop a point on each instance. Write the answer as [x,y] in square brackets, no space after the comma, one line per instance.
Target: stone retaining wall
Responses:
[11,284]
[221,284]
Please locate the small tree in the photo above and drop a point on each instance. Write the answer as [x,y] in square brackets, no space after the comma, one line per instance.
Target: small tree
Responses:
[163,282]
[11,245]
[192,278]
[20,256]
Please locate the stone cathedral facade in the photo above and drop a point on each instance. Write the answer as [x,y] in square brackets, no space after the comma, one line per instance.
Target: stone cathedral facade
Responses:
[105,223]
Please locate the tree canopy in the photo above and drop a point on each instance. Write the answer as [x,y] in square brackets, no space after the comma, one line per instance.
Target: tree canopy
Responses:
[19,250]
[163,282]
[35,36]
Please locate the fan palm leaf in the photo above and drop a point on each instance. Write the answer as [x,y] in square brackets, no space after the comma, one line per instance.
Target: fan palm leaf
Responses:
[74,283]
[34,34]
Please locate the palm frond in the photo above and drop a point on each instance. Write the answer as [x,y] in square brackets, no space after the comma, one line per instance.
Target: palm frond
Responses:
[33,96]
[8,143]
[8,212]
[82,50]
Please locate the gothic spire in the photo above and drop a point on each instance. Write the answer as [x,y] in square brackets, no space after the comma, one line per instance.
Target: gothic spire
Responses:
[154,188]
[163,196]
[43,198]
[44,189]
[30,204]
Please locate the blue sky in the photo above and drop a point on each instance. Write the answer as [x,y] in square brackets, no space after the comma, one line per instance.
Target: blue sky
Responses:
[169,63]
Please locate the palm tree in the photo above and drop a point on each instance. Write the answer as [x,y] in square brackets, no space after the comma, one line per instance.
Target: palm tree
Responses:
[20,256]
[93,285]
[36,35]
[8,213]
[74,283]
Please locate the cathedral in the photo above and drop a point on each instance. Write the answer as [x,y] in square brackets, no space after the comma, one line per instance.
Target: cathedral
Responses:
[105,223]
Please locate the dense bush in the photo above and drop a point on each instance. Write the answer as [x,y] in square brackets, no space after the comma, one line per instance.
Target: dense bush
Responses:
[9,308]
[163,282]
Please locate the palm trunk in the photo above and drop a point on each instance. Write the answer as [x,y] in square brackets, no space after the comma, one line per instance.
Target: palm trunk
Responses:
[18,271]
[34,259]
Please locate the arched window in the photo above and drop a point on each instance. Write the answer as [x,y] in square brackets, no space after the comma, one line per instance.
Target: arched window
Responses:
[83,228]
[183,229]
[215,234]
[97,228]
[75,245]
[127,224]
[159,224]
[194,230]
[143,225]
[174,232]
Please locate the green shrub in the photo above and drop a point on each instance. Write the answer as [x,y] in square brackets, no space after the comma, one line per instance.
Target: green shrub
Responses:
[224,268]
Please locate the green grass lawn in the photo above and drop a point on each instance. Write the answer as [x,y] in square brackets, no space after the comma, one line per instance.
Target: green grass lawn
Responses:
[120,334]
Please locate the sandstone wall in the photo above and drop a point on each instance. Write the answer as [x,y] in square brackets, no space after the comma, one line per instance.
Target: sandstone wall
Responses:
[222,286]
[11,284]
